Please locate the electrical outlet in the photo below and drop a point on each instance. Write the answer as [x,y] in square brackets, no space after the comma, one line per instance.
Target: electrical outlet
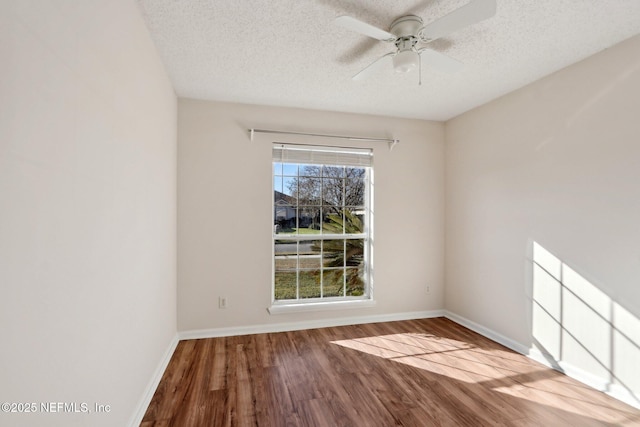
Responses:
[428,289]
[222,302]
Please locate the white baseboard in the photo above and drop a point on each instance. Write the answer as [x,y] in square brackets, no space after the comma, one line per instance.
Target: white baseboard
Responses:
[614,390]
[312,324]
[621,393]
[142,406]
[486,332]
[604,385]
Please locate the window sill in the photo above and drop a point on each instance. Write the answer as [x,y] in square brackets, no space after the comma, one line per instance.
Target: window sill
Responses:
[319,306]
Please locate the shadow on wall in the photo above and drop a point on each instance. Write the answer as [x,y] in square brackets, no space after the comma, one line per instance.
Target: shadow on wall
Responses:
[582,331]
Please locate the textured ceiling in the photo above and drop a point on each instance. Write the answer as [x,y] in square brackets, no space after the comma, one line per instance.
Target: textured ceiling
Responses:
[290,52]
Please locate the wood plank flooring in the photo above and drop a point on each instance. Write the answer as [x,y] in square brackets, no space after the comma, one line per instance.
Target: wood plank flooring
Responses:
[430,372]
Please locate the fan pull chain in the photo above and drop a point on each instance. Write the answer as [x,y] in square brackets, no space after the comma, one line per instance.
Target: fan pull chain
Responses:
[419,70]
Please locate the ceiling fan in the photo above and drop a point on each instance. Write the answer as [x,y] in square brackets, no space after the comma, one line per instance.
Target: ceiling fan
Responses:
[408,32]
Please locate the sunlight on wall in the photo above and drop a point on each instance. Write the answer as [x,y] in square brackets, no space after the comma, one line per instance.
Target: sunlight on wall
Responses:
[627,342]
[577,325]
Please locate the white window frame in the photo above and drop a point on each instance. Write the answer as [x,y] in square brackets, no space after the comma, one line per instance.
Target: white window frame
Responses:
[326,156]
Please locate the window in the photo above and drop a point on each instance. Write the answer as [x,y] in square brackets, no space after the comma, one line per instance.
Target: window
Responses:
[321,224]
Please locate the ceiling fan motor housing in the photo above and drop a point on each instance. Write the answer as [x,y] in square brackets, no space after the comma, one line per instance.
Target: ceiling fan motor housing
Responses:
[406,28]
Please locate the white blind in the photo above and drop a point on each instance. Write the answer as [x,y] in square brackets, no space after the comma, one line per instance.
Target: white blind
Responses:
[321,155]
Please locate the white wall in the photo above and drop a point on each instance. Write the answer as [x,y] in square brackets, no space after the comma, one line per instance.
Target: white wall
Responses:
[87,209]
[225,208]
[555,164]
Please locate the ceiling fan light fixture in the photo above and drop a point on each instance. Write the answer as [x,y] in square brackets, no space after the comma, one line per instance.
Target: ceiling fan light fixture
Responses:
[405,61]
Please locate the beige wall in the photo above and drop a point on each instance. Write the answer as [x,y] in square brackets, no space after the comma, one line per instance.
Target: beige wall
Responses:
[87,209]
[225,203]
[541,201]
[555,164]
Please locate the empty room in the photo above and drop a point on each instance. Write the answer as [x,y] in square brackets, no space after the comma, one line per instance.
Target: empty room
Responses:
[319,213]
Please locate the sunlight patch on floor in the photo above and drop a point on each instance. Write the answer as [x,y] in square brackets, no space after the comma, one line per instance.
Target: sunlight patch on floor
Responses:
[498,370]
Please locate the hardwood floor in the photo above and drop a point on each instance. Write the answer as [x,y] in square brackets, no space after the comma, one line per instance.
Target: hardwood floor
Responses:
[430,372]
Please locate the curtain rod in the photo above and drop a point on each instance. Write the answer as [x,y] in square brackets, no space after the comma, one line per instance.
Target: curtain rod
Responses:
[392,142]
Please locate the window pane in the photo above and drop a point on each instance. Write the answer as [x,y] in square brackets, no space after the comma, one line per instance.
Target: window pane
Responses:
[332,192]
[285,285]
[290,169]
[332,221]
[310,170]
[333,171]
[333,253]
[309,220]
[290,189]
[354,192]
[310,284]
[354,220]
[286,262]
[354,253]
[354,281]
[284,218]
[277,168]
[355,172]
[333,282]
[286,255]
[309,190]
[277,185]
[309,251]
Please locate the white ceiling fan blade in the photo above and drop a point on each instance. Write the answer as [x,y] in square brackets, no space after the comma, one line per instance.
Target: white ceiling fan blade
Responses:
[375,66]
[469,14]
[363,28]
[440,61]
